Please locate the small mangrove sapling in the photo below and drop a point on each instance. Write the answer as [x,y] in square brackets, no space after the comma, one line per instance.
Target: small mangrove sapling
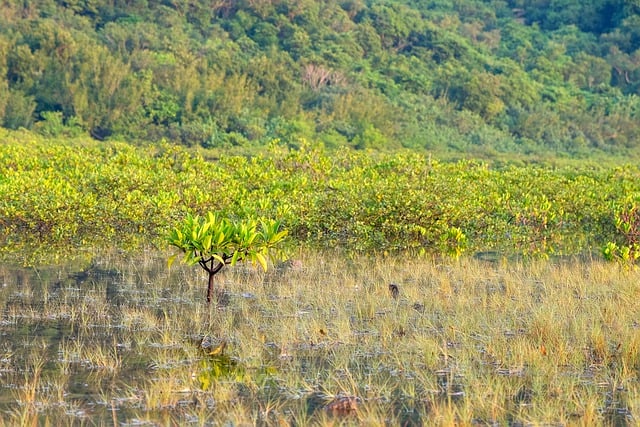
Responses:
[213,242]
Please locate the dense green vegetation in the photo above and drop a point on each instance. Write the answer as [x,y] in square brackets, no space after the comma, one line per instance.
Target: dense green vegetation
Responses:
[472,76]
[85,193]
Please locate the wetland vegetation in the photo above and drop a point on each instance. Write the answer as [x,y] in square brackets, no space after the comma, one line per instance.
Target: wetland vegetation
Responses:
[61,194]
[121,340]
[505,311]
[354,128]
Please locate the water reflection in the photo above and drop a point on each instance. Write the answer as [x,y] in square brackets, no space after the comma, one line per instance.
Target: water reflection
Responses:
[122,340]
[69,329]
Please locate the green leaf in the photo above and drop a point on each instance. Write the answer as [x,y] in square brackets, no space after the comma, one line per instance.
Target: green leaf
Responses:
[171,260]
[206,244]
[279,236]
[221,237]
[205,228]
[235,257]
[262,260]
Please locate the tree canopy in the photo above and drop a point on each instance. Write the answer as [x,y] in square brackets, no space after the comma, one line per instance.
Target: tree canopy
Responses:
[473,75]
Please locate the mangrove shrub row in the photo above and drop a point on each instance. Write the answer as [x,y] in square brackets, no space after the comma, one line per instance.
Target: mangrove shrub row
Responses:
[59,193]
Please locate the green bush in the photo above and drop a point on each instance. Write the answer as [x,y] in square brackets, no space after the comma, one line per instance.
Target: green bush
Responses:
[58,193]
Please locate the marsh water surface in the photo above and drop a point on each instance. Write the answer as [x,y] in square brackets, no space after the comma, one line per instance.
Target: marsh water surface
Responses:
[122,340]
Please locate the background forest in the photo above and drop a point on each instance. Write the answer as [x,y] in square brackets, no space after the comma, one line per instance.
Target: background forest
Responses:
[481,77]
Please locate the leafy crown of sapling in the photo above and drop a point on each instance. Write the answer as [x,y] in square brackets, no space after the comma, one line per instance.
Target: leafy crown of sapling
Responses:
[213,241]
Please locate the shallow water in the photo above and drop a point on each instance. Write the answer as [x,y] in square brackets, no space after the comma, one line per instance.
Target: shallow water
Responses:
[65,337]
[93,342]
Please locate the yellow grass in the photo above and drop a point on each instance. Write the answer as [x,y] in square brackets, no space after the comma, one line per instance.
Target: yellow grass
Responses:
[467,342]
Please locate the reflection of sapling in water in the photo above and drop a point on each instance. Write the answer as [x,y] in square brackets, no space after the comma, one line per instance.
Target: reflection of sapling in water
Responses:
[213,242]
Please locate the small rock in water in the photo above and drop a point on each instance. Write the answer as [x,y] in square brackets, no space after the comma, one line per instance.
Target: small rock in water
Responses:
[395,290]
[342,406]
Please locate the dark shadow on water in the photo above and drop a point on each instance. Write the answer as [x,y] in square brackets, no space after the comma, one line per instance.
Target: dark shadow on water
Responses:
[45,312]
[451,388]
[616,412]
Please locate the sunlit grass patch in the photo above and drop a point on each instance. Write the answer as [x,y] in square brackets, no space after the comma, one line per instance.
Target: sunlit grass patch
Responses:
[536,342]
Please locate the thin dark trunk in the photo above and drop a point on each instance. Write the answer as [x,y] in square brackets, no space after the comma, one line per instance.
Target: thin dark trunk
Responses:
[210,288]
[210,267]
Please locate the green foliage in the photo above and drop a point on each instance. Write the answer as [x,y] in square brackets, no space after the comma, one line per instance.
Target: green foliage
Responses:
[627,255]
[60,195]
[453,242]
[626,248]
[212,238]
[53,125]
[473,77]
[18,110]
[216,367]
[214,241]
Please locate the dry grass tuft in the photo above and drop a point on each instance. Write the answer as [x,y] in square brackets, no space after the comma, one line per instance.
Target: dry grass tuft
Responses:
[325,341]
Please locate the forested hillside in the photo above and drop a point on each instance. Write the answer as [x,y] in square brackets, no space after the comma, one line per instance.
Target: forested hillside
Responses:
[473,76]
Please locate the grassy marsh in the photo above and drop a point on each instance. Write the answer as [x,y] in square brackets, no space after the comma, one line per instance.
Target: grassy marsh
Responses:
[321,341]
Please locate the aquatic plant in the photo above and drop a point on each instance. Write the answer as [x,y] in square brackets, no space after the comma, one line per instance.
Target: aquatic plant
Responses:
[214,241]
